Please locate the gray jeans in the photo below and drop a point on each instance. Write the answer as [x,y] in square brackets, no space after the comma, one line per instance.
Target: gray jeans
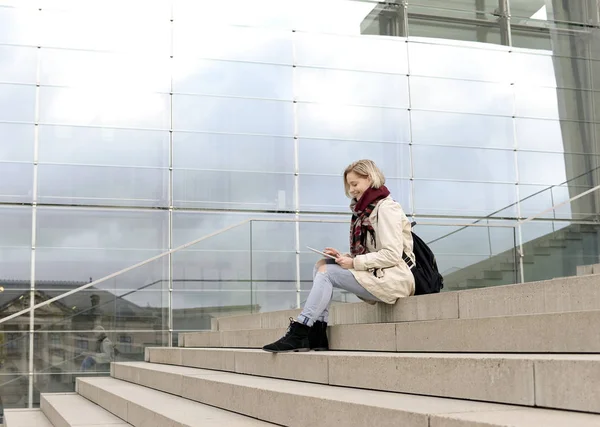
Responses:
[319,299]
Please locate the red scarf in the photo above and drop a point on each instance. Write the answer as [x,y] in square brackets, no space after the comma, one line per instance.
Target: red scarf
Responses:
[360,226]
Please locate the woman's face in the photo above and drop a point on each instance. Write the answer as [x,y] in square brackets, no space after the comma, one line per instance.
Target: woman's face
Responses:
[357,184]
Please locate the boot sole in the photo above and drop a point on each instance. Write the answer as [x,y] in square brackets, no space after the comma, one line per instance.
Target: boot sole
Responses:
[320,349]
[296,350]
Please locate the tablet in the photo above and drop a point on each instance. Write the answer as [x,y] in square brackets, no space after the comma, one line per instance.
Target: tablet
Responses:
[321,253]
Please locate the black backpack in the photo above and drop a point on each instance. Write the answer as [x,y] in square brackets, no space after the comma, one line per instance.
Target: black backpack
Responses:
[428,279]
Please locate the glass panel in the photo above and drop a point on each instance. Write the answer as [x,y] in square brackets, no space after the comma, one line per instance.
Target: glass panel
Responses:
[551,103]
[319,236]
[109,71]
[339,296]
[558,248]
[472,198]
[547,10]
[193,310]
[445,23]
[552,71]
[63,356]
[103,146]
[17,103]
[461,96]
[17,142]
[15,354]
[215,115]
[386,55]
[233,190]
[19,187]
[471,240]
[326,193]
[531,37]
[65,268]
[100,185]
[15,264]
[462,7]
[101,229]
[474,256]
[558,38]
[276,296]
[104,107]
[534,199]
[306,15]
[114,307]
[222,261]
[449,163]
[331,157]
[188,226]
[86,29]
[235,43]
[232,152]
[228,78]
[471,130]
[351,87]
[212,277]
[554,135]
[274,254]
[450,62]
[130,9]
[19,26]
[541,198]
[14,380]
[552,168]
[13,298]
[15,223]
[15,249]
[585,208]
[18,64]
[354,123]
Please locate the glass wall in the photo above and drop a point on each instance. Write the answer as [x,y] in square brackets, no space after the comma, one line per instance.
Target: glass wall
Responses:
[129,128]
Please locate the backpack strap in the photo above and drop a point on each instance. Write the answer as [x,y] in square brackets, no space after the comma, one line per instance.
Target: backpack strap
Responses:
[408,261]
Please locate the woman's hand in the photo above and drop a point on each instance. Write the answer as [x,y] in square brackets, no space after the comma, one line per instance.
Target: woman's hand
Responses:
[332,252]
[345,262]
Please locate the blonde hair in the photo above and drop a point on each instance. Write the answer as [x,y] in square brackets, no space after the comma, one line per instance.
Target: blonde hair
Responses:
[365,168]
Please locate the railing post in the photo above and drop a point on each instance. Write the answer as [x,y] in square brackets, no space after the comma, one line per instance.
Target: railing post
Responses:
[505,28]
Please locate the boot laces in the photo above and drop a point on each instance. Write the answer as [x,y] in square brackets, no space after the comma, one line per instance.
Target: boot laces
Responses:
[289,329]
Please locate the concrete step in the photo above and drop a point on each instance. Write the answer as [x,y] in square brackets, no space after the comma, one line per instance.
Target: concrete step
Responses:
[559,381]
[583,270]
[569,235]
[25,418]
[542,251]
[492,274]
[481,283]
[146,406]
[71,409]
[569,332]
[553,243]
[293,403]
[556,295]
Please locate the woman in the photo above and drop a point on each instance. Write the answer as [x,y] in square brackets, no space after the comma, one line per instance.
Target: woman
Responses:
[374,270]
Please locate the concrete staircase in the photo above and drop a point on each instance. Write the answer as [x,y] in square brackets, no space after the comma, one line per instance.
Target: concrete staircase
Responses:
[519,355]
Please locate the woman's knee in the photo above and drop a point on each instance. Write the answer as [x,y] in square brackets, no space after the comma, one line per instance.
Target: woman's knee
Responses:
[320,267]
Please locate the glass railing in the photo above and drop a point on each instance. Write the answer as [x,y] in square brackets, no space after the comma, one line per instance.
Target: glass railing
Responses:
[55,333]
[562,237]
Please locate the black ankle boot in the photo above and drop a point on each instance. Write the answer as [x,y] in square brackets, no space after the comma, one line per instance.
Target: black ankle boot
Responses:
[317,337]
[295,339]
